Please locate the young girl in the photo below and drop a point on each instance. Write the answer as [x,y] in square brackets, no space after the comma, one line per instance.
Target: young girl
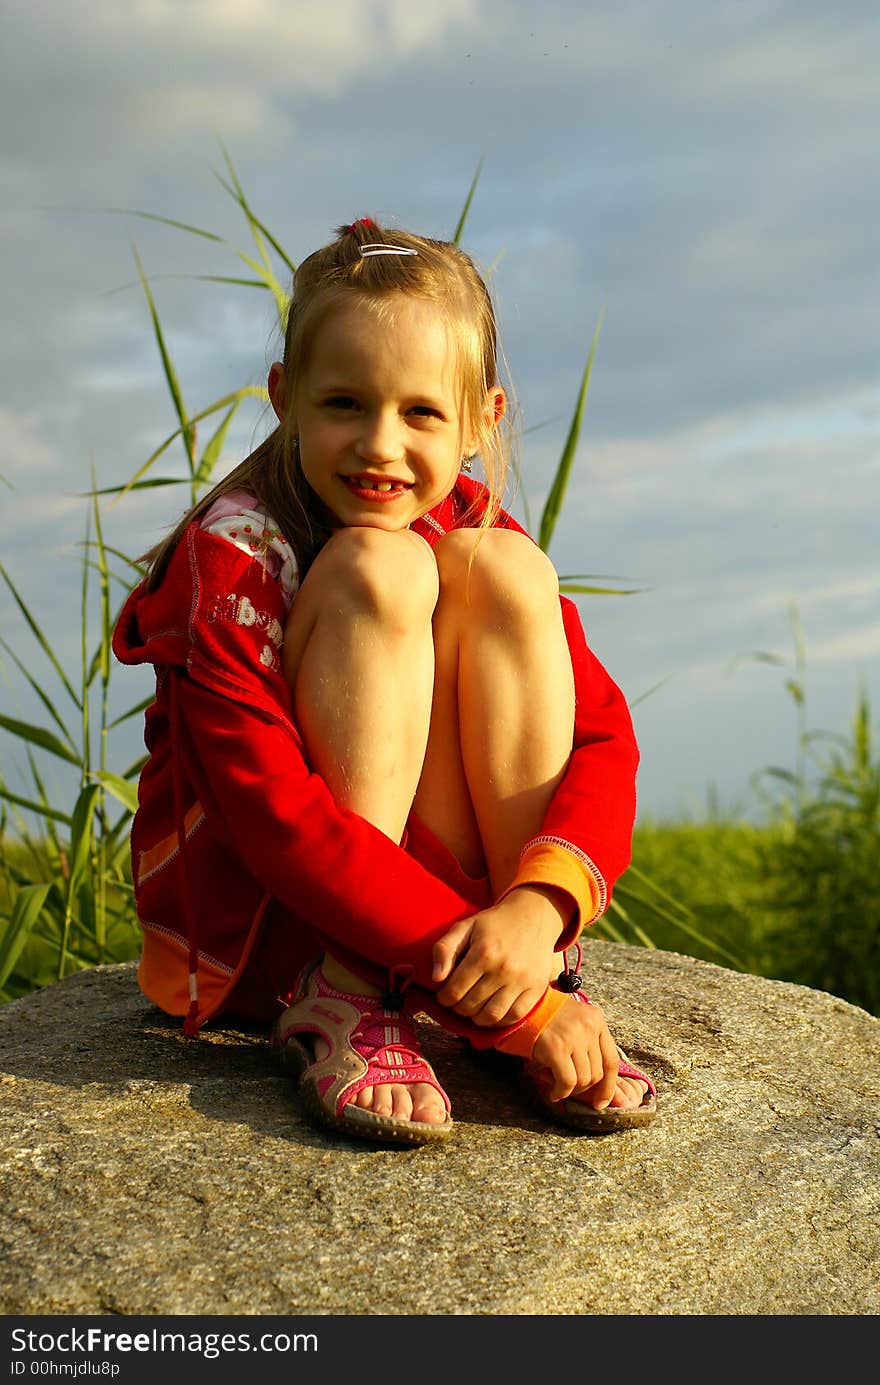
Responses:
[386,774]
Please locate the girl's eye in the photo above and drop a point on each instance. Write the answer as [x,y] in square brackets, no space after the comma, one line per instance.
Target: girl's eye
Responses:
[425,411]
[341,401]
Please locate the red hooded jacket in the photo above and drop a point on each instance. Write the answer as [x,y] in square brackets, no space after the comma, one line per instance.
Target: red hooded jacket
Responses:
[232,820]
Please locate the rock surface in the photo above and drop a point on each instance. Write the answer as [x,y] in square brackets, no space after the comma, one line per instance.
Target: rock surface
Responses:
[143,1173]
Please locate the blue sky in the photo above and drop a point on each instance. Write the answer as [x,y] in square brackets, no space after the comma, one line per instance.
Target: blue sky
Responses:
[704,176]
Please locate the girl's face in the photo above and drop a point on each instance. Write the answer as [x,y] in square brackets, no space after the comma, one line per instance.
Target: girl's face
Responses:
[381,435]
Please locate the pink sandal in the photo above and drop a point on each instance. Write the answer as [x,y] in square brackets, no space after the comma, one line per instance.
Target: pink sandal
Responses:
[371,1044]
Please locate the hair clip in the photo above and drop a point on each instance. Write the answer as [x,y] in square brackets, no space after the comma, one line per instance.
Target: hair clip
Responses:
[380,248]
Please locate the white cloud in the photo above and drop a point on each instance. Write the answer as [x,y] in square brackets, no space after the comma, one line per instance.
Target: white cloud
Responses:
[852,646]
[25,452]
[209,64]
[196,109]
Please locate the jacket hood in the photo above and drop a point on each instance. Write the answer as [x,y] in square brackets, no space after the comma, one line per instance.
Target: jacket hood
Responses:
[146,631]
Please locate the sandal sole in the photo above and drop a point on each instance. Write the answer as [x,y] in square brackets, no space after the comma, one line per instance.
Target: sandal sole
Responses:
[588,1121]
[362,1125]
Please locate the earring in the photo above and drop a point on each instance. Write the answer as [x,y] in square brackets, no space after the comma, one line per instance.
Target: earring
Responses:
[467,464]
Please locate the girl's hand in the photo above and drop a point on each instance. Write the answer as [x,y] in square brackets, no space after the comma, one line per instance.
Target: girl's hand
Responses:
[576,1053]
[495,966]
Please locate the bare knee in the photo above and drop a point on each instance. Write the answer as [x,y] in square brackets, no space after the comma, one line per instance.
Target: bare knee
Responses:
[387,575]
[497,574]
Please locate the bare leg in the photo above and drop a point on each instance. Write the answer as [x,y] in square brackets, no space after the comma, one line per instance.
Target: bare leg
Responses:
[502,720]
[358,652]
[359,655]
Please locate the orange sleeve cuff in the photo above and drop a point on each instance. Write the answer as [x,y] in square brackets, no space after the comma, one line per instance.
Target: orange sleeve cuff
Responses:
[521,1040]
[545,863]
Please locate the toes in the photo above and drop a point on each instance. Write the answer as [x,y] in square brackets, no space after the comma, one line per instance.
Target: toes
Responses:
[427,1104]
[383,1100]
[629,1093]
[401,1103]
[419,1103]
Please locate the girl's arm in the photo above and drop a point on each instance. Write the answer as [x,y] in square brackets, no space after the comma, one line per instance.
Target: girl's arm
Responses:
[321,862]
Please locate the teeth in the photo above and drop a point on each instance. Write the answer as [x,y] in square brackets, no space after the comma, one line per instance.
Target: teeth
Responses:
[369,483]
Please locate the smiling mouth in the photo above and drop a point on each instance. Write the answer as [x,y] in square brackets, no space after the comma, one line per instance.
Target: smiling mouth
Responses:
[376,487]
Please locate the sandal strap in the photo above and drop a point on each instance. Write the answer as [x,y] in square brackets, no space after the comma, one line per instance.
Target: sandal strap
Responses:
[626,1069]
[370,1044]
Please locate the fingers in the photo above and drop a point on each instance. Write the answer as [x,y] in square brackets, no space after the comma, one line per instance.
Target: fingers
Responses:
[603,1091]
[447,951]
[495,1008]
[574,1070]
[471,966]
[579,1054]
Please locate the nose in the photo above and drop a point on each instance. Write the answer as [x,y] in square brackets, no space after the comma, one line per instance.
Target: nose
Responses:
[380,438]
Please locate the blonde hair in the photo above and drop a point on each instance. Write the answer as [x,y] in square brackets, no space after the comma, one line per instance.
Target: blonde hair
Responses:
[440,273]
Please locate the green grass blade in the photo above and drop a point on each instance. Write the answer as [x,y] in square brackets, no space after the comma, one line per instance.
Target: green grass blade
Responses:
[457,233]
[186,427]
[40,637]
[86,758]
[199,278]
[231,279]
[272,283]
[133,711]
[650,692]
[757,656]
[638,932]
[604,928]
[47,823]
[81,833]
[553,505]
[536,427]
[246,391]
[41,694]
[566,585]
[527,508]
[101,661]
[494,265]
[122,789]
[38,735]
[777,772]
[33,807]
[256,224]
[676,915]
[119,852]
[211,454]
[150,484]
[136,767]
[25,911]
[166,221]
[595,577]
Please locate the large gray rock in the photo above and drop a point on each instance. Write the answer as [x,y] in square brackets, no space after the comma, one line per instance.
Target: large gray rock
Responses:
[144,1173]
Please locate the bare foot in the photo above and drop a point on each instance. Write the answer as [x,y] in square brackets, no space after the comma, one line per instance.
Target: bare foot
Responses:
[415,1102]
[628,1095]
[576,1058]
